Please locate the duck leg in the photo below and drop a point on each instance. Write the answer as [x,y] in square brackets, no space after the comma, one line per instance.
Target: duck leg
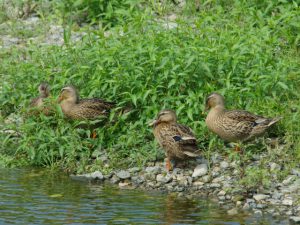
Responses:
[93,134]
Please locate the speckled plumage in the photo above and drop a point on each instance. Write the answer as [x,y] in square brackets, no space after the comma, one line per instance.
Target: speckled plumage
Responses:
[234,125]
[82,109]
[38,102]
[178,141]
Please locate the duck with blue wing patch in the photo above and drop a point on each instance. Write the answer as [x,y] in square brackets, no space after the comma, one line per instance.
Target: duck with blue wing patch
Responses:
[235,125]
[178,141]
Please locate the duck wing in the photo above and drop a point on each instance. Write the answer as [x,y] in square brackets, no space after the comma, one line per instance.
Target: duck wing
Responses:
[92,108]
[186,139]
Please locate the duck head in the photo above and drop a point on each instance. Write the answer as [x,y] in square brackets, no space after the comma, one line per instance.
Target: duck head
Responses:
[164,116]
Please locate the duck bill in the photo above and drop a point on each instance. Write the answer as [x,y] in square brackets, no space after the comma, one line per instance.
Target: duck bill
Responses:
[153,123]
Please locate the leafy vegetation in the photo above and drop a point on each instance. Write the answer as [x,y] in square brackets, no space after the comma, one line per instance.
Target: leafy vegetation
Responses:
[246,50]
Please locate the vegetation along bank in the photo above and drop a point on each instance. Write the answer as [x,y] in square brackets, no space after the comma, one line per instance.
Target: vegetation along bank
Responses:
[151,56]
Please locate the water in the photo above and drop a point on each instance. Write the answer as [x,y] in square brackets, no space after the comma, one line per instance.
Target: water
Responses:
[30,196]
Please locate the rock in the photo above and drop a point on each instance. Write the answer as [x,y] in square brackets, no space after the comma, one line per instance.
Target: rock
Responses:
[238,203]
[260,197]
[289,180]
[261,206]
[206,178]
[123,174]
[123,185]
[215,185]
[224,165]
[138,179]
[200,170]
[153,169]
[238,198]
[163,179]
[198,183]
[134,170]
[246,206]
[274,166]
[295,219]
[222,193]
[232,212]
[287,202]
[295,172]
[258,212]
[97,175]
[277,195]
[114,179]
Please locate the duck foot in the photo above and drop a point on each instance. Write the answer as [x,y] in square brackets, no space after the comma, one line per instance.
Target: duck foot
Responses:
[93,135]
[168,165]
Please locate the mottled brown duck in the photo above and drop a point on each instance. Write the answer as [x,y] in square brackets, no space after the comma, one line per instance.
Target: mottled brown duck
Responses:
[82,109]
[234,125]
[38,103]
[178,141]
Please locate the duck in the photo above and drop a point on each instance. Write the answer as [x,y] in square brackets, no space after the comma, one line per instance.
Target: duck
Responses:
[75,108]
[235,125]
[177,140]
[39,102]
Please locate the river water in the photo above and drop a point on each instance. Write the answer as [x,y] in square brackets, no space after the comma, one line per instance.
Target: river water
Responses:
[31,196]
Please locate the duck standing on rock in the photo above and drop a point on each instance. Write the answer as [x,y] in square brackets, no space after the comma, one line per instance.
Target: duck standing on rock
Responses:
[234,125]
[39,102]
[178,141]
[82,109]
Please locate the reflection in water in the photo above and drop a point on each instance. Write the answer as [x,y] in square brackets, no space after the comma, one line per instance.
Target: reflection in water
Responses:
[41,197]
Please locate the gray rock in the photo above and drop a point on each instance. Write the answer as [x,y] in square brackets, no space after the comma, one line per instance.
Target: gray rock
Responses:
[274,166]
[224,165]
[261,206]
[215,185]
[260,197]
[97,175]
[258,212]
[164,179]
[232,212]
[295,219]
[206,178]
[153,169]
[277,195]
[200,170]
[222,193]
[289,180]
[138,179]
[123,174]
[295,172]
[287,202]
[246,206]
[114,179]
[134,170]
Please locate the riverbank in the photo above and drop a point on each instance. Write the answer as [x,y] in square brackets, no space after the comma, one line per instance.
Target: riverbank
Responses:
[220,180]
[157,59]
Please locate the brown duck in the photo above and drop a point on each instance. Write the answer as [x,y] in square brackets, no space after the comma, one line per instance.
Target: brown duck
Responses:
[82,109]
[178,141]
[234,125]
[39,102]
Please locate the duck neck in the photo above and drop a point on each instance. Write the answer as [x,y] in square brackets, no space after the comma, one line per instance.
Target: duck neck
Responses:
[216,111]
[66,105]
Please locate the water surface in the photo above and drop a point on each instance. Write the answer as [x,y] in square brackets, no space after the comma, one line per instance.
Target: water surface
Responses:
[31,196]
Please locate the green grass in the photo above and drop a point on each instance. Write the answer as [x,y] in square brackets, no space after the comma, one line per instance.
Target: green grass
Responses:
[246,50]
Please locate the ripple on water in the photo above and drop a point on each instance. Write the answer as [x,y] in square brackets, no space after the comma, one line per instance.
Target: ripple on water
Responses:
[34,196]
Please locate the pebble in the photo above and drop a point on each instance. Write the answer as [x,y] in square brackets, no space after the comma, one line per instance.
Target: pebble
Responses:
[274,166]
[260,197]
[287,202]
[200,170]
[123,174]
[224,165]
[295,219]
[232,212]
[153,169]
